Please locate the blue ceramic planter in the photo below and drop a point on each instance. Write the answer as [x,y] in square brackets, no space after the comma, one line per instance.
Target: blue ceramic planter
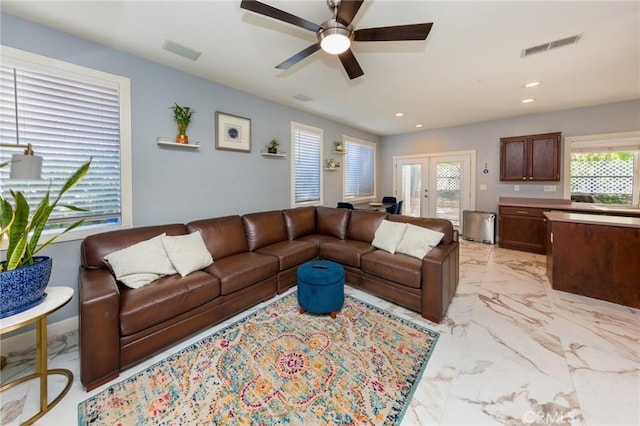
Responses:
[23,288]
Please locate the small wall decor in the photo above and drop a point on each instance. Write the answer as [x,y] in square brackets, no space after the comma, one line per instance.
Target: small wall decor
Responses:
[233,133]
[272,147]
[182,116]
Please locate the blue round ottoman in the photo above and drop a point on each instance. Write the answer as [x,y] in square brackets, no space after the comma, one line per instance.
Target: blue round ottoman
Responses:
[321,287]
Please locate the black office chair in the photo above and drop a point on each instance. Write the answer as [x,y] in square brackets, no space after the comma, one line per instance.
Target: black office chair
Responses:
[342,205]
[396,208]
[387,199]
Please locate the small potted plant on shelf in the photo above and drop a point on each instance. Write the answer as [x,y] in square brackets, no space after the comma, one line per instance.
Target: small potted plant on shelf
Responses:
[331,163]
[272,147]
[338,146]
[182,116]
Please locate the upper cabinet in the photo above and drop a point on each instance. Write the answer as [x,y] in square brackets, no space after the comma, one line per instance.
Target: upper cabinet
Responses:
[530,158]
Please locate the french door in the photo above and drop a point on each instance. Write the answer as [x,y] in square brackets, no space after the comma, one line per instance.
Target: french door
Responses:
[437,185]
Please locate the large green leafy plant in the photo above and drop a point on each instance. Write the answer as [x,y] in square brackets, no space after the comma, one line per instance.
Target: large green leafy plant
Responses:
[23,228]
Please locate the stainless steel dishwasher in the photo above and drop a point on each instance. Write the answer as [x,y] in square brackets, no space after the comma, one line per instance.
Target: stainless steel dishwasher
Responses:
[479,226]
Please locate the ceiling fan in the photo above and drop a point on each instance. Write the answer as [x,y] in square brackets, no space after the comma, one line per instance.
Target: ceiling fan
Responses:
[336,34]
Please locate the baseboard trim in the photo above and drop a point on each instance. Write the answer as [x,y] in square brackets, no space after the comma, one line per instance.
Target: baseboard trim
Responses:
[28,338]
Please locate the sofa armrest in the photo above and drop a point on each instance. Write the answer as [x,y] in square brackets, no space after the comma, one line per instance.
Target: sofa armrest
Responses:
[99,308]
[439,280]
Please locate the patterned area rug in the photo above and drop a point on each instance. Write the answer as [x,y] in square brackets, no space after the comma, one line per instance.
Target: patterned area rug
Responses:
[277,366]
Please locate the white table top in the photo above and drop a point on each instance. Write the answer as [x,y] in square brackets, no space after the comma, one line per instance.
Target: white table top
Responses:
[56,298]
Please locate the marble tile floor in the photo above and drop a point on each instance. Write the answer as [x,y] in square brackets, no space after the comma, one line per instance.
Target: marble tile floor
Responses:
[511,351]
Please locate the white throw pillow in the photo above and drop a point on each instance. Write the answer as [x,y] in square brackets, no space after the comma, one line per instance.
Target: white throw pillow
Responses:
[418,241]
[141,263]
[187,253]
[388,235]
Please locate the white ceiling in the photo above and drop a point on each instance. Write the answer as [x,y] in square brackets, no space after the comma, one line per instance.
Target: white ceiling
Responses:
[468,70]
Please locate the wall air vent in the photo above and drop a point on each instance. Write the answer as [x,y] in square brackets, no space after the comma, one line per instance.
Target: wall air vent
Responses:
[550,45]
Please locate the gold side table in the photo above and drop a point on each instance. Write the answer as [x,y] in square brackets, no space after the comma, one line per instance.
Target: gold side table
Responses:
[56,298]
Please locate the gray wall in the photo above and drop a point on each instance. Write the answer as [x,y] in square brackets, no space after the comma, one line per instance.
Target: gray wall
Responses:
[485,139]
[173,184]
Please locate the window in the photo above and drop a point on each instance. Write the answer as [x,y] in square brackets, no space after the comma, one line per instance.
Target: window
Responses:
[306,165]
[603,169]
[359,169]
[68,114]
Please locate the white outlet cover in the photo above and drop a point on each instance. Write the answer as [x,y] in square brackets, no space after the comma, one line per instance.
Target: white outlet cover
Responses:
[516,188]
[483,187]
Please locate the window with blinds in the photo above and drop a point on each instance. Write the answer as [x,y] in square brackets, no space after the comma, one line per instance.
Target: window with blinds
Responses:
[68,120]
[307,165]
[359,169]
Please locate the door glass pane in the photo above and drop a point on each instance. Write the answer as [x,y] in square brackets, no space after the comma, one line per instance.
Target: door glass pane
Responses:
[411,189]
[448,184]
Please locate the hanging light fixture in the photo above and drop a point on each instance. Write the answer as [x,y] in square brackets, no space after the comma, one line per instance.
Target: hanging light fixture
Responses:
[26,166]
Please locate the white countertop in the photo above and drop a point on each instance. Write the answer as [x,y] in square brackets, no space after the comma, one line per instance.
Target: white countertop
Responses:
[593,219]
[562,204]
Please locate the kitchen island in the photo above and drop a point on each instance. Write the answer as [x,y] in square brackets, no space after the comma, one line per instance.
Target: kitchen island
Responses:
[594,255]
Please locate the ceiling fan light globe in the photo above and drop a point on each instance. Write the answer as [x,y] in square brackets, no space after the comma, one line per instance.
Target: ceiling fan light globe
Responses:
[334,41]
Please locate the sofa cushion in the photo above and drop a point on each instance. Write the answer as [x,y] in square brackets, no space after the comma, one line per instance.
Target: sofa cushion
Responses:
[264,228]
[440,225]
[399,268]
[223,236]
[332,221]
[363,224]
[346,252]
[318,239]
[291,253]
[241,270]
[168,297]
[140,264]
[388,235]
[187,253]
[418,241]
[96,247]
[300,221]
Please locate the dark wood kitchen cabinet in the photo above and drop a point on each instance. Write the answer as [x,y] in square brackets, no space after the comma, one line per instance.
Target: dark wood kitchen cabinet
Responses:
[523,228]
[530,158]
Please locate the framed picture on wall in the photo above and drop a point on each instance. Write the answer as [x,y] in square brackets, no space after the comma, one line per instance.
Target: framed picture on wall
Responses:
[233,133]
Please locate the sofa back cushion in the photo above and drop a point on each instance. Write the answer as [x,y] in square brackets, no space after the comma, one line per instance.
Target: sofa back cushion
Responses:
[300,221]
[264,228]
[95,247]
[223,236]
[332,221]
[441,225]
[363,224]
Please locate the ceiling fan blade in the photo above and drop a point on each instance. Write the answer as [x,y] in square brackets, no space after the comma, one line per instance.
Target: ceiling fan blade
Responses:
[298,57]
[272,12]
[395,33]
[347,11]
[350,64]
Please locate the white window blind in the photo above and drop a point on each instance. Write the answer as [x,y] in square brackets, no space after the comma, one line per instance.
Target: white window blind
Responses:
[359,169]
[307,164]
[67,121]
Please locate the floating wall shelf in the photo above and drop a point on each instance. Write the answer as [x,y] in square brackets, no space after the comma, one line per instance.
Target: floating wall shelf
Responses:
[172,142]
[338,152]
[332,168]
[278,155]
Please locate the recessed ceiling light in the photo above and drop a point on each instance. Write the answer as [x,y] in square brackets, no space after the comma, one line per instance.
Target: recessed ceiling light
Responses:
[533,84]
[399,114]
[418,125]
[526,101]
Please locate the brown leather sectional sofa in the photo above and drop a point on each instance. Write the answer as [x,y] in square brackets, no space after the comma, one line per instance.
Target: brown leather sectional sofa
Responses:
[256,256]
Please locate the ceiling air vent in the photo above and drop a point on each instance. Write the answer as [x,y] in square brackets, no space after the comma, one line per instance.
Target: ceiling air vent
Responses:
[550,45]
